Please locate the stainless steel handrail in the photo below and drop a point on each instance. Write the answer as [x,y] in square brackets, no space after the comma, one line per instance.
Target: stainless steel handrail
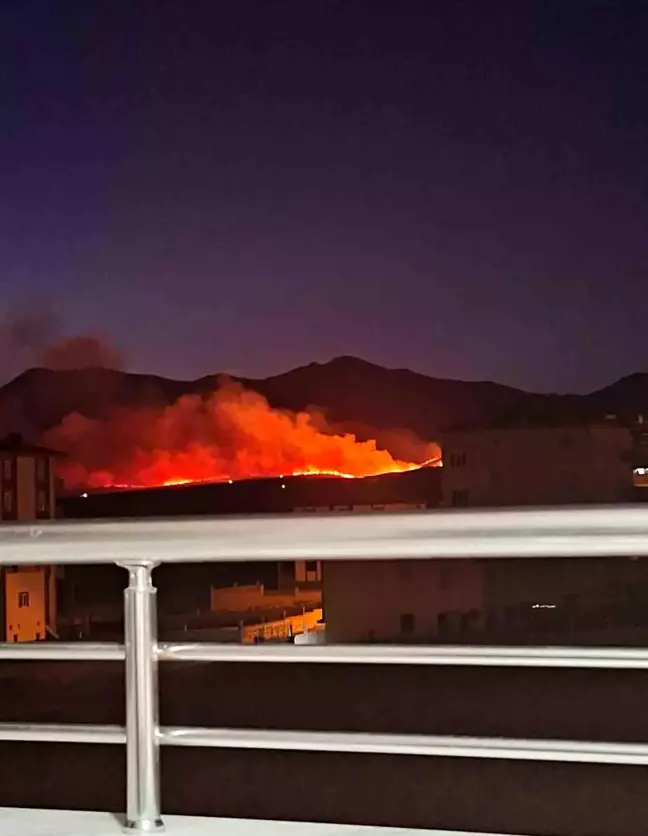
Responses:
[607,531]
[410,744]
[602,658]
[139,545]
[64,651]
[494,748]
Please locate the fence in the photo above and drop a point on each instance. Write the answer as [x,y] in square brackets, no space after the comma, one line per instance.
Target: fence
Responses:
[139,546]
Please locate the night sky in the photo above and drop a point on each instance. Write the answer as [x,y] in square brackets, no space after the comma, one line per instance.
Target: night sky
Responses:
[456,187]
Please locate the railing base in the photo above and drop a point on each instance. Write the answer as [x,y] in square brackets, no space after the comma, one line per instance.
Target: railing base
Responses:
[15,821]
[155,826]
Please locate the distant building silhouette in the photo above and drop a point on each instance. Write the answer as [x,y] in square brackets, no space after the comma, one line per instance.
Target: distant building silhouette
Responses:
[537,465]
[27,494]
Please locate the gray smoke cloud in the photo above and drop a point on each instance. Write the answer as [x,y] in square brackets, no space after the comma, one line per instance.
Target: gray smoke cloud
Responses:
[84,351]
[34,336]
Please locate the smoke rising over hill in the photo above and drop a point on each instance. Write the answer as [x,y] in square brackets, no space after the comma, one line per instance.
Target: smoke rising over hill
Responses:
[232,434]
[34,337]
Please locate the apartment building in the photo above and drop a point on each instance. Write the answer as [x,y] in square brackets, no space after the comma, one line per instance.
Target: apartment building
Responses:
[27,492]
[537,466]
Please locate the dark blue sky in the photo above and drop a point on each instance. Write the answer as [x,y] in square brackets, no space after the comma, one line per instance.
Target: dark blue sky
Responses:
[456,187]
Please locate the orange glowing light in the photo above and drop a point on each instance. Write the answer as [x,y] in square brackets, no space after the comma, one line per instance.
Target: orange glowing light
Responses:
[231,435]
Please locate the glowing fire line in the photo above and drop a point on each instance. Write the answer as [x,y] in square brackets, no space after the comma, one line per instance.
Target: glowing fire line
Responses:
[230,435]
[311,471]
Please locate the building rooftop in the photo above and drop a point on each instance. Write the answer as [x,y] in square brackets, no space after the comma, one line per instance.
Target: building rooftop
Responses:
[606,423]
[15,445]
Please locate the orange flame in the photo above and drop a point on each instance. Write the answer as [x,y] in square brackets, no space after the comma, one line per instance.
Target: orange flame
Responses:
[234,434]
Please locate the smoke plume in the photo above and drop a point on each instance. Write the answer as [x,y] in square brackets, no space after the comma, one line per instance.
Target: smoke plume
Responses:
[33,336]
[85,351]
[233,434]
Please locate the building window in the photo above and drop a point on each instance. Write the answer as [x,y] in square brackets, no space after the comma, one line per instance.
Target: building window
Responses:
[41,503]
[311,566]
[7,468]
[459,499]
[469,620]
[407,623]
[23,599]
[7,501]
[457,459]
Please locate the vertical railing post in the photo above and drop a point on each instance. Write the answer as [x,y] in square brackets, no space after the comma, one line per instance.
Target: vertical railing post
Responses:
[142,745]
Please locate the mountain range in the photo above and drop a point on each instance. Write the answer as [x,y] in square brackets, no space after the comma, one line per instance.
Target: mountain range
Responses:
[353,394]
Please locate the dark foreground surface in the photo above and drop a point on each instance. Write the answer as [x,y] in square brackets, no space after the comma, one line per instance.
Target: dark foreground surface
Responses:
[501,796]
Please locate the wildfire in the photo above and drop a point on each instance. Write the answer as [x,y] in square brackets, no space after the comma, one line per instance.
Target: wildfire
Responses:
[232,435]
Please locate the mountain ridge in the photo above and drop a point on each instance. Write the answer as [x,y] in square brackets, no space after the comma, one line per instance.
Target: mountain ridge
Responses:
[352,393]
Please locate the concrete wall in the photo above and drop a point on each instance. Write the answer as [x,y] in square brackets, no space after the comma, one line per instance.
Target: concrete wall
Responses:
[26,484]
[281,628]
[595,582]
[27,493]
[308,571]
[405,599]
[25,604]
[442,600]
[360,507]
[536,466]
[27,487]
[222,635]
[256,596]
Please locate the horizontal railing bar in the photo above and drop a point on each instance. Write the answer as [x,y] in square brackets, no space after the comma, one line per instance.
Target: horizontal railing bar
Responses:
[604,531]
[347,742]
[63,651]
[61,733]
[550,657]
[540,657]
[418,745]
[543,657]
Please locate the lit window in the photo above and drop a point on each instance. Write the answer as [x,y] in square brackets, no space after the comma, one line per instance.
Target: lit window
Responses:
[41,504]
[23,599]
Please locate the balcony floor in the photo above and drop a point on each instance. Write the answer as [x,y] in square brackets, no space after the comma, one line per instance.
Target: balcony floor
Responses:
[24,822]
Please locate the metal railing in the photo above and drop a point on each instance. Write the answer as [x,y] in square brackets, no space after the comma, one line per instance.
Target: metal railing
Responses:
[139,546]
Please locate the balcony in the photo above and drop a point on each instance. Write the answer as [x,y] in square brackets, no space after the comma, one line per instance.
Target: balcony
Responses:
[22,822]
[507,779]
